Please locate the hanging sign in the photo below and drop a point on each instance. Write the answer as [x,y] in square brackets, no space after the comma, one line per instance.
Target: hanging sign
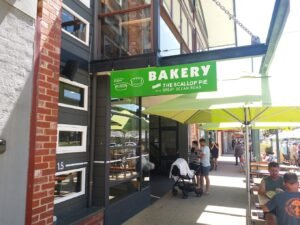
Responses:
[179,79]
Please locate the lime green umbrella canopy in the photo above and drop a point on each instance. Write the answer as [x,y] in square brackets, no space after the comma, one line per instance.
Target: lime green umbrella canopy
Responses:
[231,103]
[254,125]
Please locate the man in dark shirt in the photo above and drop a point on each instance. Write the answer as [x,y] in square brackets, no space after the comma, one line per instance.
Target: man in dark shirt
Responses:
[286,205]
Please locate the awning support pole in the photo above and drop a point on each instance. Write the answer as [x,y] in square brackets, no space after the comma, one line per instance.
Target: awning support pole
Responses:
[247,167]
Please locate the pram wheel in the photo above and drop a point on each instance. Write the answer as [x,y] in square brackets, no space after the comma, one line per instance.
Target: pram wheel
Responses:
[175,192]
[184,194]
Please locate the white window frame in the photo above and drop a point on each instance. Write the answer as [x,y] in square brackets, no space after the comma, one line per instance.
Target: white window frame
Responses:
[71,149]
[86,42]
[87,3]
[73,195]
[85,94]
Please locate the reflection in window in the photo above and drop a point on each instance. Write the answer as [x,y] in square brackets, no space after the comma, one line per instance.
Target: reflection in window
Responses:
[74,24]
[69,184]
[122,190]
[71,95]
[125,34]
[70,138]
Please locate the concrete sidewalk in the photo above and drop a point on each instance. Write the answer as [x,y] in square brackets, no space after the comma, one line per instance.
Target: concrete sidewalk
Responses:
[225,204]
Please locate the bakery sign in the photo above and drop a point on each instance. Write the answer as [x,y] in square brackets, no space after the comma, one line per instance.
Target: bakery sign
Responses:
[151,81]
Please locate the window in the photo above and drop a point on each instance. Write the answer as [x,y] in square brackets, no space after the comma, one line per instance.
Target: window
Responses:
[72,94]
[71,138]
[75,25]
[69,184]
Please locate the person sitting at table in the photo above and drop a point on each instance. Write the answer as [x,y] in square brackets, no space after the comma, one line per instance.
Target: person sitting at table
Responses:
[286,205]
[270,184]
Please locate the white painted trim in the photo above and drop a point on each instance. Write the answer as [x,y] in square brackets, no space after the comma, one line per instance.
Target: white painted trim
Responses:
[76,164]
[87,34]
[70,196]
[85,94]
[87,3]
[71,149]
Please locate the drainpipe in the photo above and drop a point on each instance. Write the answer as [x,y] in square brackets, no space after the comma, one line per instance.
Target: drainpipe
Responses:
[92,114]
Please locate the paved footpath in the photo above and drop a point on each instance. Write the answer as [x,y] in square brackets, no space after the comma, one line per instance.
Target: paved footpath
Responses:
[225,204]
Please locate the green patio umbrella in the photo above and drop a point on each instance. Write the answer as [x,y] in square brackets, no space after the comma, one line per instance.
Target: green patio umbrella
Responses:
[242,100]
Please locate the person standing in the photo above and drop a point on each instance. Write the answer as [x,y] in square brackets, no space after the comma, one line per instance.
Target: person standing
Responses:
[238,153]
[286,205]
[195,161]
[205,165]
[285,151]
[215,154]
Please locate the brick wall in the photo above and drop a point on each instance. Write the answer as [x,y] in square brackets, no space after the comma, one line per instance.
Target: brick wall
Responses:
[43,133]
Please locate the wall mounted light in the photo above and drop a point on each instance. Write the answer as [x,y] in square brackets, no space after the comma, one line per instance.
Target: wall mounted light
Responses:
[2,145]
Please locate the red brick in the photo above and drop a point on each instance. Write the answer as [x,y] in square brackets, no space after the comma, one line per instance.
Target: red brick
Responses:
[43,111]
[49,158]
[42,138]
[44,84]
[36,188]
[42,152]
[51,118]
[47,186]
[49,145]
[39,195]
[50,131]
[48,172]
[37,159]
[41,166]
[40,180]
[44,97]
[39,209]
[43,124]
[51,105]
[40,222]
[35,203]
[47,200]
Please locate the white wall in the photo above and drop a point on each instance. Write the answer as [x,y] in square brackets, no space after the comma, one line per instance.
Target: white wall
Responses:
[16,69]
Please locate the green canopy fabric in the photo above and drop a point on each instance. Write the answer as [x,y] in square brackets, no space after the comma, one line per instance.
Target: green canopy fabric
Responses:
[230,103]
[255,125]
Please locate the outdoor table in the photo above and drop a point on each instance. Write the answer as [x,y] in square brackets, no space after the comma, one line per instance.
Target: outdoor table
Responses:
[262,199]
[266,172]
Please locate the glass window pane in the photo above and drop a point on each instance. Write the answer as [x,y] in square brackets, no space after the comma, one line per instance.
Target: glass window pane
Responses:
[167,5]
[70,138]
[74,25]
[122,190]
[71,95]
[168,143]
[184,30]
[176,14]
[126,34]
[116,5]
[67,184]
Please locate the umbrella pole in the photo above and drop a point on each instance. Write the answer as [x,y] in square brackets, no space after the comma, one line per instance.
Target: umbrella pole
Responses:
[247,168]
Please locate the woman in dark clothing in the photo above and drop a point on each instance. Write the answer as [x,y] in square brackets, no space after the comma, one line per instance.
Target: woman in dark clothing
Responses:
[215,154]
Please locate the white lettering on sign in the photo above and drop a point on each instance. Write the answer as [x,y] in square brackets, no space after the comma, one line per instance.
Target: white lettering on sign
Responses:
[152,75]
[194,71]
[175,74]
[163,75]
[205,69]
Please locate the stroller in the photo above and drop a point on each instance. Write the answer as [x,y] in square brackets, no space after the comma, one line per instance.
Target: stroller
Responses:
[184,178]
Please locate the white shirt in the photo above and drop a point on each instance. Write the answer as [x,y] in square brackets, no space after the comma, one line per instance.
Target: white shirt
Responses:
[205,160]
